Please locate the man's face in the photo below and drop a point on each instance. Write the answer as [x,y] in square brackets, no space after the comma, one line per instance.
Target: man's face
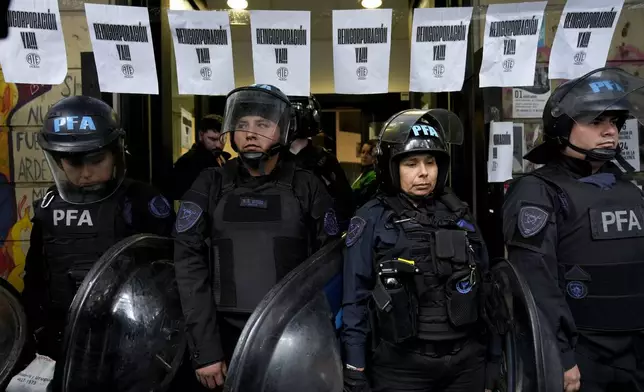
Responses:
[601,132]
[212,140]
[256,134]
[92,169]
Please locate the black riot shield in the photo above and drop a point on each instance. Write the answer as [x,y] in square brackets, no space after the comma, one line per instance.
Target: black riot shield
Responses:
[290,342]
[531,361]
[13,331]
[125,329]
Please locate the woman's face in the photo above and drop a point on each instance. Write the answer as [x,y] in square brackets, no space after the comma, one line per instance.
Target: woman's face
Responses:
[366,157]
[91,169]
[418,174]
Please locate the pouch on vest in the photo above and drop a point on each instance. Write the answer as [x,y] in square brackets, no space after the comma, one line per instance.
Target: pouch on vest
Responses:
[396,312]
[451,251]
[462,298]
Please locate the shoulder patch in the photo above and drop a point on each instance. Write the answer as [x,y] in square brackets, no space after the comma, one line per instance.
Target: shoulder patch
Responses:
[356,227]
[331,226]
[531,220]
[159,207]
[187,216]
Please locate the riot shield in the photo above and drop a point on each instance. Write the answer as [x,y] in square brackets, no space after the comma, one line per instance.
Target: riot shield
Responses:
[531,361]
[290,341]
[125,329]
[13,331]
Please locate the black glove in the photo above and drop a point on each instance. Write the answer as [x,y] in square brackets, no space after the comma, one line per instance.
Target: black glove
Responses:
[355,381]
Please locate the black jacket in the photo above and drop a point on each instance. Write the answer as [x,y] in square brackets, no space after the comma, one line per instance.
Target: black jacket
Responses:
[189,165]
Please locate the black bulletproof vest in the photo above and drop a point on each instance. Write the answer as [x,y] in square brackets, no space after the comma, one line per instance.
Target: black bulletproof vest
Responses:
[74,238]
[418,235]
[258,236]
[600,251]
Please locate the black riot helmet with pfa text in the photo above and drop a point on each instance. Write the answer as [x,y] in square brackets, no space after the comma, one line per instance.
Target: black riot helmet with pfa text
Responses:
[261,111]
[84,146]
[416,131]
[604,92]
[307,117]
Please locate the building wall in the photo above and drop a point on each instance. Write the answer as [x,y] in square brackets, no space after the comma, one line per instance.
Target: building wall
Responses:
[24,174]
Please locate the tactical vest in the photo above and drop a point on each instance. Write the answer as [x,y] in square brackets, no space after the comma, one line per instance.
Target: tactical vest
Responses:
[443,307]
[600,251]
[257,237]
[74,238]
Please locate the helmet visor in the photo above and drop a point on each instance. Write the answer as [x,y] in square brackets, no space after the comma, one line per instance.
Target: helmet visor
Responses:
[88,177]
[257,114]
[445,123]
[600,93]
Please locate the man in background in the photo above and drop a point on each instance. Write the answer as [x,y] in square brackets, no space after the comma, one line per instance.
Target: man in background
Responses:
[207,152]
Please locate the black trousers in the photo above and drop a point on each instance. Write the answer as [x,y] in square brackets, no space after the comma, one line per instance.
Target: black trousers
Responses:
[186,379]
[395,368]
[599,377]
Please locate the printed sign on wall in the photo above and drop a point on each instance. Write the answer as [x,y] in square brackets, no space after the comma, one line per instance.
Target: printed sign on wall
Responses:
[123,50]
[439,48]
[34,51]
[361,49]
[203,52]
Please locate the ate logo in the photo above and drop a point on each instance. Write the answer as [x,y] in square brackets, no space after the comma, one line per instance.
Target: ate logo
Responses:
[72,218]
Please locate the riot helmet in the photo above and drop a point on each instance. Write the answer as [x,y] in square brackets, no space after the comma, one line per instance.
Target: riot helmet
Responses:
[416,131]
[601,93]
[84,146]
[307,117]
[264,114]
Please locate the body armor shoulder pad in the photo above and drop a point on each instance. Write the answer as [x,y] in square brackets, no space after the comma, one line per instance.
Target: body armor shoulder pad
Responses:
[548,174]
[453,203]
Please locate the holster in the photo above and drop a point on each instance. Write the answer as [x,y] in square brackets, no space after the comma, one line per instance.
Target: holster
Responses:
[396,312]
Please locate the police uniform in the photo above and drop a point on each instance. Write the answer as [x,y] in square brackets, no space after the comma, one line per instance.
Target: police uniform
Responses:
[578,236]
[69,235]
[326,167]
[412,277]
[237,234]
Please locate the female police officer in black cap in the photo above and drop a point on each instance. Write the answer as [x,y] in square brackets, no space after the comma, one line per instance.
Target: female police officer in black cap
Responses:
[92,207]
[413,263]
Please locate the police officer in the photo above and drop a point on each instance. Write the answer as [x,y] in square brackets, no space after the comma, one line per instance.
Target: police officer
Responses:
[575,228]
[92,206]
[241,228]
[319,160]
[366,185]
[413,263]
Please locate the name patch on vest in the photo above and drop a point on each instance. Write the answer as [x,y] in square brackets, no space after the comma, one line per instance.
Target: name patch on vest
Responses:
[73,218]
[615,223]
[250,202]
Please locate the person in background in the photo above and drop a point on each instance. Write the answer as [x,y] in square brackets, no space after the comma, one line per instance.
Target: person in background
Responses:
[366,185]
[207,152]
[319,160]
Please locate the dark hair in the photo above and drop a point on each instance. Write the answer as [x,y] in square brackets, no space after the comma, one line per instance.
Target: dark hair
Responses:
[211,122]
[372,143]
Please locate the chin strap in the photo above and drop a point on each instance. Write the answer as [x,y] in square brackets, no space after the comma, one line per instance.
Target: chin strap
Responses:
[257,160]
[604,155]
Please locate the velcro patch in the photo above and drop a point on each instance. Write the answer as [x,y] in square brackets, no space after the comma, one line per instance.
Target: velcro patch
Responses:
[463,224]
[250,202]
[187,216]
[356,227]
[159,207]
[531,220]
[331,226]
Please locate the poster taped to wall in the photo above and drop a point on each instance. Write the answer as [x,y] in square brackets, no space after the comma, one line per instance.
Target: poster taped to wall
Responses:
[629,144]
[533,136]
[282,50]
[34,51]
[510,45]
[528,102]
[361,50]
[123,51]
[583,37]
[499,161]
[203,52]
[439,48]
